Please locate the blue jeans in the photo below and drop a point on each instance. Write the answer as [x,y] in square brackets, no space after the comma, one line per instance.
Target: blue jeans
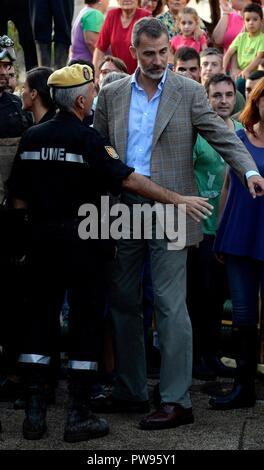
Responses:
[245,278]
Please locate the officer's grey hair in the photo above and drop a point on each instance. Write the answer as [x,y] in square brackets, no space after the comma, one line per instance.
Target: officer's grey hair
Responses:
[65,97]
[151,27]
[112,77]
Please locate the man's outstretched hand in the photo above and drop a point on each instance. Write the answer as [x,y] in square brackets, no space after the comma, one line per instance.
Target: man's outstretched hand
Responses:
[256,186]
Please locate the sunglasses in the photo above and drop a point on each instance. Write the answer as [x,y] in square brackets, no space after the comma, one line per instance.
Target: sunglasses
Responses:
[8,52]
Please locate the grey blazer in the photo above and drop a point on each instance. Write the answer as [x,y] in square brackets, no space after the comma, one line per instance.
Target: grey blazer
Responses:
[183,111]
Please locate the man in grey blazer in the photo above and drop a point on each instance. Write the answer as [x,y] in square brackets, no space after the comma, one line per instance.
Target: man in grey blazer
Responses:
[152,119]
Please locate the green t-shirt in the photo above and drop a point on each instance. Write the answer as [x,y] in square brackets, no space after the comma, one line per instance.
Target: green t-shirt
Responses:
[247,48]
[209,169]
[92,20]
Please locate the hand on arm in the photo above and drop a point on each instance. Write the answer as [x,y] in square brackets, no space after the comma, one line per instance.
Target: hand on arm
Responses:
[245,73]
[196,207]
[198,33]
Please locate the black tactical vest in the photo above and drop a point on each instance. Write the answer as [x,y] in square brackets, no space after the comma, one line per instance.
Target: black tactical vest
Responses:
[13,121]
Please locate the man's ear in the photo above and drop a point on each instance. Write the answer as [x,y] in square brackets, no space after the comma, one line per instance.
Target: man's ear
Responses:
[80,102]
[133,52]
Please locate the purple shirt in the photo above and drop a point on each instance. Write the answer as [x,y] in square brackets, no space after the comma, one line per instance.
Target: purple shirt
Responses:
[89,19]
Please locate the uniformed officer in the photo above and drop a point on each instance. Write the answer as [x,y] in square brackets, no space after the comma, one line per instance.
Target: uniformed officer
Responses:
[13,121]
[60,165]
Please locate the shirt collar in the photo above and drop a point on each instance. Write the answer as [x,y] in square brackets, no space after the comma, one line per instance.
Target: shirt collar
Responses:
[66,115]
[134,80]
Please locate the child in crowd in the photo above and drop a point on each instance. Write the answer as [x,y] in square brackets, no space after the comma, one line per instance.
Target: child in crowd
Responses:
[249,45]
[188,23]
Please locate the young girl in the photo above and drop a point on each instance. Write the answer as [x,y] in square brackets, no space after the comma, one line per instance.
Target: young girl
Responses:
[248,46]
[189,23]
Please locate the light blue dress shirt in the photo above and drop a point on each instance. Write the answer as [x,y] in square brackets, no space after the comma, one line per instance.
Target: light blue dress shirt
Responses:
[141,122]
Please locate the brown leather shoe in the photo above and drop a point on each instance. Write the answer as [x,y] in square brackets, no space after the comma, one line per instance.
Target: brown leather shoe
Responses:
[167,416]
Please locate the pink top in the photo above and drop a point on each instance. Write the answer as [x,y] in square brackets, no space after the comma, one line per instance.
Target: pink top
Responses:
[180,41]
[234,27]
[113,34]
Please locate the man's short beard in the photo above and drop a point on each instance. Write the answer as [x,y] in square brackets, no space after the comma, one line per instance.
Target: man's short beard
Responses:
[154,76]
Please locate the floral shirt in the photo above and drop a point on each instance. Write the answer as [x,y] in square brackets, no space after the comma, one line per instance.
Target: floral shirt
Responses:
[170,23]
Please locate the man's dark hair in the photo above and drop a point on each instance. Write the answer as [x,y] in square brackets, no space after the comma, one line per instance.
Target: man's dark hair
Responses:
[211,51]
[256,75]
[119,63]
[151,27]
[186,53]
[253,8]
[218,78]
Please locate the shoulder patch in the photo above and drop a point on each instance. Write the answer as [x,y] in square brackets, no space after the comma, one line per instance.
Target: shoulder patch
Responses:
[111,152]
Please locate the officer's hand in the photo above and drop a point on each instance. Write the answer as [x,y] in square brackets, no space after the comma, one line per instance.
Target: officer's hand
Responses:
[196,207]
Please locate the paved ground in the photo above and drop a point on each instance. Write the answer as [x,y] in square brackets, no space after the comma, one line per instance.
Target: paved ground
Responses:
[212,430]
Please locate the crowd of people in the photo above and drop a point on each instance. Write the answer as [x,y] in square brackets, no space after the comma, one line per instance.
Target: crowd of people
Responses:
[140,106]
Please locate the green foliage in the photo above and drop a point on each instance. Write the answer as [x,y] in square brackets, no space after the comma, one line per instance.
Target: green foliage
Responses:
[13,34]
